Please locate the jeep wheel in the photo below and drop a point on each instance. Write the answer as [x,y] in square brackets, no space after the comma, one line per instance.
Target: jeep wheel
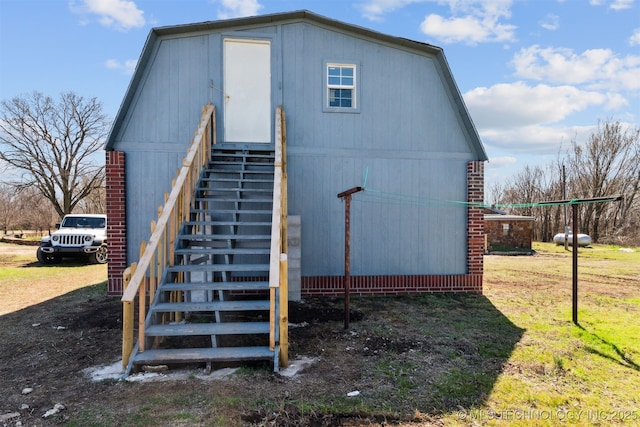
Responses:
[47,258]
[100,256]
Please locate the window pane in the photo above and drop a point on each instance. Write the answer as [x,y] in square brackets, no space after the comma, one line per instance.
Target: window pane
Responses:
[334,100]
[341,81]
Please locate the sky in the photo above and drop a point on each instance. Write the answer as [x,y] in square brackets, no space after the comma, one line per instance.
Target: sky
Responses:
[534,74]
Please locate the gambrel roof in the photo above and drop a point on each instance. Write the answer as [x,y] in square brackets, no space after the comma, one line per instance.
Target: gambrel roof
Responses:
[292,17]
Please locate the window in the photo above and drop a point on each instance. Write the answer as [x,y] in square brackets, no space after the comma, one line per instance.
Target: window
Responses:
[341,86]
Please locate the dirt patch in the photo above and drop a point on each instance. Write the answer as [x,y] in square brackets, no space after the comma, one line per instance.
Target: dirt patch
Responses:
[403,361]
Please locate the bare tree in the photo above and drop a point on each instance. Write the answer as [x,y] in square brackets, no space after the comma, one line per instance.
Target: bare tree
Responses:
[8,207]
[35,212]
[607,164]
[96,201]
[53,144]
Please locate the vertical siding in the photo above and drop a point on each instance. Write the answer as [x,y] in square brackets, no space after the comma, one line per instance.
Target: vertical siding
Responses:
[160,126]
[169,100]
[407,135]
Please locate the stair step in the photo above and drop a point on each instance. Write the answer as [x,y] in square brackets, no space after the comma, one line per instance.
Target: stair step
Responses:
[247,171]
[256,155]
[229,328]
[242,180]
[218,267]
[219,245]
[194,355]
[242,153]
[233,211]
[215,286]
[221,199]
[223,251]
[235,189]
[255,161]
[218,237]
[230,223]
[183,307]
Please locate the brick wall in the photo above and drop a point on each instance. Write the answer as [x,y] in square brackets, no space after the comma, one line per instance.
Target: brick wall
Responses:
[414,284]
[117,220]
[475,220]
[508,233]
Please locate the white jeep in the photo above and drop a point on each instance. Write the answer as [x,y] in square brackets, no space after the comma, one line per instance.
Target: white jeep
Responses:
[78,234]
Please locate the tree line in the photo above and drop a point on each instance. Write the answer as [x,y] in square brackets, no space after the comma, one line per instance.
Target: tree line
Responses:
[50,160]
[606,164]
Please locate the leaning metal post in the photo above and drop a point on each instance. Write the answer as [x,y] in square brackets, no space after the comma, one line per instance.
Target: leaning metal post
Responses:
[346,195]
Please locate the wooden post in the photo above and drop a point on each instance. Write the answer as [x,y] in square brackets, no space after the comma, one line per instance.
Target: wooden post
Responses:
[127,318]
[284,311]
[346,195]
[127,334]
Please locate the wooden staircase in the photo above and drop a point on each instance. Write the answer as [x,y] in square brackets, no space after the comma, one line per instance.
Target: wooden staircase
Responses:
[211,282]
[213,303]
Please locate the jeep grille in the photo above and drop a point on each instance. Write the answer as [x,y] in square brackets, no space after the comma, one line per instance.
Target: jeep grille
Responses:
[72,240]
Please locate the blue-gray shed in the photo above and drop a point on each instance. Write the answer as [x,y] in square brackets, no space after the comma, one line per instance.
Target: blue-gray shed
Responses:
[363,109]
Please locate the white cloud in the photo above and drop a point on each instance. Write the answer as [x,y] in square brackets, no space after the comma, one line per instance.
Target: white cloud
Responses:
[472,22]
[551,22]
[128,66]
[501,162]
[634,40]
[119,14]
[614,4]
[514,105]
[374,9]
[621,4]
[533,139]
[238,8]
[595,68]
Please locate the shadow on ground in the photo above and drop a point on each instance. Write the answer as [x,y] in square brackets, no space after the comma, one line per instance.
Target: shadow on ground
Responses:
[409,358]
[405,356]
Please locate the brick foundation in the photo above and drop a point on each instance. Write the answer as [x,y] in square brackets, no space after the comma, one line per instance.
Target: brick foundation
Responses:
[117,220]
[391,285]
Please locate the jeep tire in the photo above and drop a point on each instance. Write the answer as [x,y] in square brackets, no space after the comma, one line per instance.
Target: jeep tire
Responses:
[100,256]
[47,258]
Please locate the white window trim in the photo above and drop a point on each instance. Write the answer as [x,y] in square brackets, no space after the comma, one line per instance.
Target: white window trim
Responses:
[355,107]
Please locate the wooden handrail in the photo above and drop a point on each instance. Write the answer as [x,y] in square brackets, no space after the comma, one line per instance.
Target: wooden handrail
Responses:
[278,283]
[157,252]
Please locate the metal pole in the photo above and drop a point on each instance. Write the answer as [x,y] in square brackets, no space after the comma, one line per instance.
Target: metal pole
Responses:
[564,196]
[347,258]
[575,265]
[346,195]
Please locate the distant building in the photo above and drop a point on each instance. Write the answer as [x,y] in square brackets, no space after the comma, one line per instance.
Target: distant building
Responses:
[508,233]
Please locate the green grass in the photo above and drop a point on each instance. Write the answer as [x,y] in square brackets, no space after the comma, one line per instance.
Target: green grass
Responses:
[558,367]
[509,357]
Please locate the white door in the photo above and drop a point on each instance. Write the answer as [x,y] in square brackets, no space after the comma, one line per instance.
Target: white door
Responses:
[247,90]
